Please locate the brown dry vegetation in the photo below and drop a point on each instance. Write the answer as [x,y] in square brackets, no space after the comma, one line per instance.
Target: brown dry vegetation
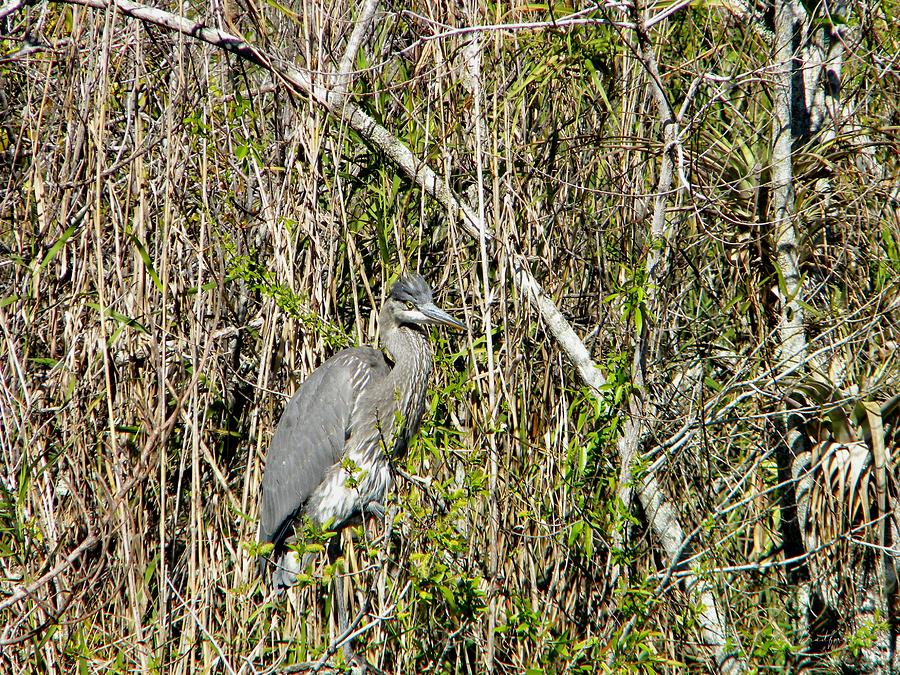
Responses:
[182,240]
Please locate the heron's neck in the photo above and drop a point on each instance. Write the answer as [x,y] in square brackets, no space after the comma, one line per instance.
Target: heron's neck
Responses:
[410,351]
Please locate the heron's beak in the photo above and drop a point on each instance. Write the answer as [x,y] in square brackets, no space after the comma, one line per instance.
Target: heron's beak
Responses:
[438,317]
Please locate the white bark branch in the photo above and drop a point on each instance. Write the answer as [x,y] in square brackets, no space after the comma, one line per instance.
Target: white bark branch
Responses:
[360,30]
[559,327]
[300,82]
[792,337]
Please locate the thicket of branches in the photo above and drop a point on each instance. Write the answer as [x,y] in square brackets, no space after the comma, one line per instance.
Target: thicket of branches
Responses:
[193,216]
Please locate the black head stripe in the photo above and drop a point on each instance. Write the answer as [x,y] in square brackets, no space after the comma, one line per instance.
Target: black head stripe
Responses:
[411,287]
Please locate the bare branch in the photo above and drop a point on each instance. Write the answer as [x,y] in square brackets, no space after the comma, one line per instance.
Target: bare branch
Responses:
[360,30]
[573,347]
[792,347]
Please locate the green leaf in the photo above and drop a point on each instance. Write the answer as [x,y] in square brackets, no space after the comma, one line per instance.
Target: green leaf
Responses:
[121,318]
[148,263]
[57,246]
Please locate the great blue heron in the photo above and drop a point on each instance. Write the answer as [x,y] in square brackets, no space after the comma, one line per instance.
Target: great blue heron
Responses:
[330,457]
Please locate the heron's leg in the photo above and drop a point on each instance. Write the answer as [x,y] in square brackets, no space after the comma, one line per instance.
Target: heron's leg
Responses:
[343,618]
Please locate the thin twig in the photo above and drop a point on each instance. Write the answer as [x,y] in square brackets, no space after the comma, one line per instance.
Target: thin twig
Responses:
[200,624]
[13,6]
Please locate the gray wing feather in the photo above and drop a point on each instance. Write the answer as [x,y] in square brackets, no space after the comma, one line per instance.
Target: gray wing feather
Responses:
[311,435]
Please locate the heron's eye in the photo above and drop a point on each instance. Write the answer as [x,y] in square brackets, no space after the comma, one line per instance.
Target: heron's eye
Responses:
[410,305]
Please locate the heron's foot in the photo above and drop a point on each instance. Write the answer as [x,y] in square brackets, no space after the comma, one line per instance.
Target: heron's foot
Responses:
[387,517]
[358,666]
[287,567]
[376,509]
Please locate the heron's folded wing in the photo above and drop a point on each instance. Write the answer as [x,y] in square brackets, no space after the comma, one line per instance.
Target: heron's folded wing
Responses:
[311,435]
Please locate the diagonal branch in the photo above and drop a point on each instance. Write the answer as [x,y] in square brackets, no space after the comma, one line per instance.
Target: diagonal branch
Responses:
[12,7]
[300,82]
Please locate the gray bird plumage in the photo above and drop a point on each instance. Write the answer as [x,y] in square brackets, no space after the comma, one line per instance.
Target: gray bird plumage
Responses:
[330,456]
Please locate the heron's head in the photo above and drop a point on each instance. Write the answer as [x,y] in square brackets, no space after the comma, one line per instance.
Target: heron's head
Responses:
[410,303]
